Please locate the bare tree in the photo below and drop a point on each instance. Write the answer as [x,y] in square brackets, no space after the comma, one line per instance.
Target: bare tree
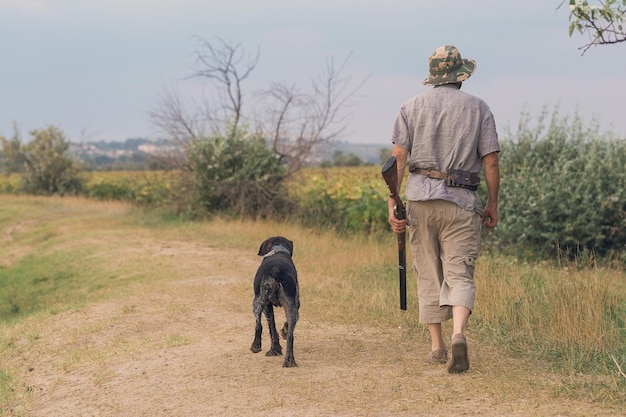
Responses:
[223,63]
[220,63]
[172,117]
[602,23]
[301,123]
[297,123]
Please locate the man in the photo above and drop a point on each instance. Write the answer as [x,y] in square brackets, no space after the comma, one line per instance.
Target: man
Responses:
[446,136]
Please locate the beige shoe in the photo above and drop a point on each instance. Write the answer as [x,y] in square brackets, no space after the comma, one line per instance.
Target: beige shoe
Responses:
[459,362]
[438,356]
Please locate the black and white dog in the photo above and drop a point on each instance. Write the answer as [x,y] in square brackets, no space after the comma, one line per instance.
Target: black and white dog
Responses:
[276,285]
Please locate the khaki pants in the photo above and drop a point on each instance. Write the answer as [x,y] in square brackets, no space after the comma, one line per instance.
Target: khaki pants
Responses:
[445,240]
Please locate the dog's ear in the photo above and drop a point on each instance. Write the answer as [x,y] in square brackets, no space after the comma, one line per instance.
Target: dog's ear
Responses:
[290,246]
[265,248]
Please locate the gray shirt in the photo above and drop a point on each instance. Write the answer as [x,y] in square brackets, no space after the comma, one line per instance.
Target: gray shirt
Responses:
[445,128]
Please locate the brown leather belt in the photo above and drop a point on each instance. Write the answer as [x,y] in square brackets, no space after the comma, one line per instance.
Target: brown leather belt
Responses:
[431,173]
[455,178]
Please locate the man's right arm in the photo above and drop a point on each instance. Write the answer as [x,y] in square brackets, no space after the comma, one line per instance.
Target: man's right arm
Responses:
[401,155]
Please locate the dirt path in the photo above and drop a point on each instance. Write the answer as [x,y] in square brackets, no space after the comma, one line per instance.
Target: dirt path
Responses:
[182,349]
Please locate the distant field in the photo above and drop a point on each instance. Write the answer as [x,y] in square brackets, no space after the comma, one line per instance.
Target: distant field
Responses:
[345,199]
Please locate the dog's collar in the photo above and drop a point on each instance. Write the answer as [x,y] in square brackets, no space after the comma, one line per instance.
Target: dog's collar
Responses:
[277,248]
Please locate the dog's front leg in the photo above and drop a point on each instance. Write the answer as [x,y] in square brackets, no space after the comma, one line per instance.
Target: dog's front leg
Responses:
[275,350]
[257,309]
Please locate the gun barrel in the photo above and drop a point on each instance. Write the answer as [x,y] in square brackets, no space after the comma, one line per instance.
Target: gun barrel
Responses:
[390,175]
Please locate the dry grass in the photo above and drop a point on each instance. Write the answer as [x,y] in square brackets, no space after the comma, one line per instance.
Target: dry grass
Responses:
[524,314]
[568,318]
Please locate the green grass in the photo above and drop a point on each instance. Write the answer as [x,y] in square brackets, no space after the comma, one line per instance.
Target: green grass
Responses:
[6,391]
[52,258]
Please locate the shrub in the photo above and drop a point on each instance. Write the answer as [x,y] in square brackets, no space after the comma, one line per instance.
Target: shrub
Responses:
[563,189]
[47,169]
[349,200]
[109,190]
[154,189]
[238,174]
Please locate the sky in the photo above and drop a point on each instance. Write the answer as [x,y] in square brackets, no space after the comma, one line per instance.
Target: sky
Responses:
[96,68]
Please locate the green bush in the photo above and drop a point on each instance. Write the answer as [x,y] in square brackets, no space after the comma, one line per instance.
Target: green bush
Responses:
[563,190]
[238,174]
[346,210]
[119,190]
[47,169]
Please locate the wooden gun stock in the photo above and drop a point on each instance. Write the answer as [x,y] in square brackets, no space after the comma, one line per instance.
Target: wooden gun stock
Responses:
[390,175]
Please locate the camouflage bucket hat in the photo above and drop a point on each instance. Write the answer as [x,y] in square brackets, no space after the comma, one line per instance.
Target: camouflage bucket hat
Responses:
[446,66]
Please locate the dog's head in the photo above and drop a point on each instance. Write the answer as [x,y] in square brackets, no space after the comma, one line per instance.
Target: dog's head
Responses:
[273,242]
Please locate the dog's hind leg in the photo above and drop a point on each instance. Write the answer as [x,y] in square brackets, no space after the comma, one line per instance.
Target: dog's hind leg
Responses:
[257,309]
[276,349]
[288,328]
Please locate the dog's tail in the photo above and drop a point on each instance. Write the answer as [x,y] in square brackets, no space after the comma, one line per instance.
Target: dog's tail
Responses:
[273,287]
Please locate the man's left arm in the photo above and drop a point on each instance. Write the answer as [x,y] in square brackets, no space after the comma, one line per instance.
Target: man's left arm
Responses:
[492,178]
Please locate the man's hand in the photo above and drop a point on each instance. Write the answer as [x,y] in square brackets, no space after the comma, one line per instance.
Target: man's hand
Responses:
[490,216]
[398,226]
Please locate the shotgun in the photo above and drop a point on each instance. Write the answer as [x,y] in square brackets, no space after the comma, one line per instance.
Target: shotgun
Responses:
[390,175]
